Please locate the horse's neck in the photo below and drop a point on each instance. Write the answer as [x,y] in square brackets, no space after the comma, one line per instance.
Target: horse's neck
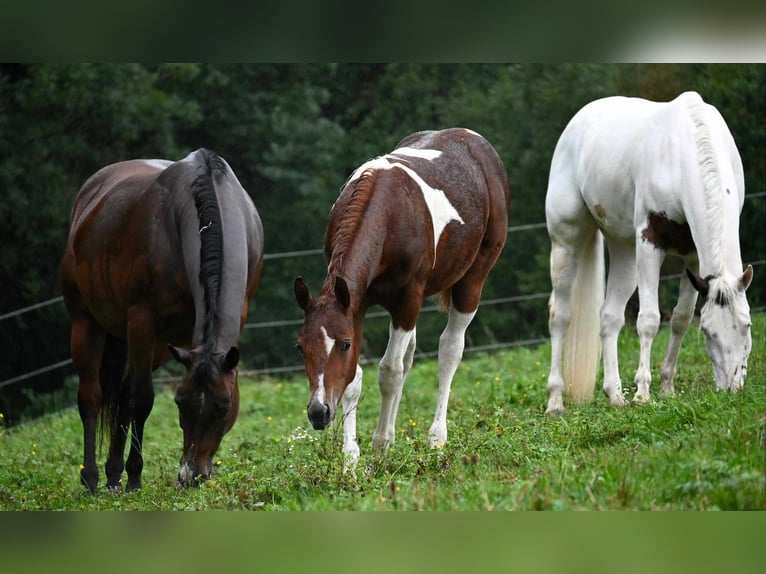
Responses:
[232,283]
[358,263]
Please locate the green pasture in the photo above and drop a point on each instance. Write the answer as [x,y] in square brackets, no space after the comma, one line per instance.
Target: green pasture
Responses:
[700,450]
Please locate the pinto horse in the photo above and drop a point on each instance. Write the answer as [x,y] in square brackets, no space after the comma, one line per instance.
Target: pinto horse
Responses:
[159,253]
[653,179]
[429,217]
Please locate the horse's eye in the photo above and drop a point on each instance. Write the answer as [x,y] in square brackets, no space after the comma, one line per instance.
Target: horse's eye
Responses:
[299,349]
[345,345]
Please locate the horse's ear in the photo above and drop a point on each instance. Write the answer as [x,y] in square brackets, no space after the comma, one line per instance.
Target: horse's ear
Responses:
[302,293]
[341,292]
[747,277]
[183,357]
[700,284]
[230,360]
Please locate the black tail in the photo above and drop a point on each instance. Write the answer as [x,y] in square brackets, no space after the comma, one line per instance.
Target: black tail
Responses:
[111,375]
[211,235]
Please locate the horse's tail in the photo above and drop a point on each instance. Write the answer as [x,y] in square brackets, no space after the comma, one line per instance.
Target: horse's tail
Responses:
[444,300]
[582,343]
[111,375]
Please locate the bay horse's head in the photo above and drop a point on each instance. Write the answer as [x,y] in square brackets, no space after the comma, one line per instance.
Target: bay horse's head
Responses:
[725,321]
[329,347]
[208,404]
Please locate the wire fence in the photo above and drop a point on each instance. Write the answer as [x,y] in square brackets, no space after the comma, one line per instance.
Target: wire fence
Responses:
[375,314]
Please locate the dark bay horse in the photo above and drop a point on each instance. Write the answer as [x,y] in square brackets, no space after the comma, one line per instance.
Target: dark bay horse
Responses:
[652,178]
[429,217]
[159,254]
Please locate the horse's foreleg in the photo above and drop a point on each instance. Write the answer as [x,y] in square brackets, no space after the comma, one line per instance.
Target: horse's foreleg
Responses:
[683,313]
[409,356]
[390,380]
[648,262]
[621,284]
[350,401]
[451,345]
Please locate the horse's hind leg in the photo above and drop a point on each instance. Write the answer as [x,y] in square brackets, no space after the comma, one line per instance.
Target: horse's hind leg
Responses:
[563,265]
[451,345]
[86,345]
[135,403]
[683,313]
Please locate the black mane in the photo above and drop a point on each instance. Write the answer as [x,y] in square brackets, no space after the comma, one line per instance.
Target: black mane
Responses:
[211,240]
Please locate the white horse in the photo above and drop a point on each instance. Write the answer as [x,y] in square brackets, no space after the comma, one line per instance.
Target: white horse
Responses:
[652,178]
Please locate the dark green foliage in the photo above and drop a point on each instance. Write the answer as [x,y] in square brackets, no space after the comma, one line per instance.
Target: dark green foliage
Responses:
[293,133]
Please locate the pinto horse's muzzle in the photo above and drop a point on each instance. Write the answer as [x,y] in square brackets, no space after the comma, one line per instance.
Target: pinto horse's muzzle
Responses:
[320,414]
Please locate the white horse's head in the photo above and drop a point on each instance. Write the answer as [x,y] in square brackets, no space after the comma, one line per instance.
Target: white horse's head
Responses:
[725,321]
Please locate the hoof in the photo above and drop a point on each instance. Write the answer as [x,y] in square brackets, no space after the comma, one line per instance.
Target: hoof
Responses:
[555,411]
[381,444]
[133,486]
[89,481]
[114,486]
[640,400]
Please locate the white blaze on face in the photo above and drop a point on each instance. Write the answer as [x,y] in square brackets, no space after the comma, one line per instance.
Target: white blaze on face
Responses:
[319,394]
[329,342]
[439,206]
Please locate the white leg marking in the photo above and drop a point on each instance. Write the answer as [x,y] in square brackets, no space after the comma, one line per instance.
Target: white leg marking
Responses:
[391,380]
[350,400]
[329,342]
[451,344]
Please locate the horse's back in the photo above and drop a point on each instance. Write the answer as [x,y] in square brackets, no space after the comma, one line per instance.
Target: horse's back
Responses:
[468,169]
[112,189]
[623,157]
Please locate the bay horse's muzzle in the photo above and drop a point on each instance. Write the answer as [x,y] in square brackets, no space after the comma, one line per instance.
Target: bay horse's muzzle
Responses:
[192,475]
[319,414]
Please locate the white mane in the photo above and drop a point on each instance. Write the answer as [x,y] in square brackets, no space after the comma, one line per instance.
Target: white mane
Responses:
[711,178]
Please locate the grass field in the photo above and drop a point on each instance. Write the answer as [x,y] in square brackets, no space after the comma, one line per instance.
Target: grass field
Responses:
[700,450]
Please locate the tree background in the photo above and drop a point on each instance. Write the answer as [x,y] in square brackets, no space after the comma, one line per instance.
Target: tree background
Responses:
[293,133]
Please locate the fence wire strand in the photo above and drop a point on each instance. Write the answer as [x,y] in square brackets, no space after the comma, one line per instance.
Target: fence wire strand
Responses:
[374,314]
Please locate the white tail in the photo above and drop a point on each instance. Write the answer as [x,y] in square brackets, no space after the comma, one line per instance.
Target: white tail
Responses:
[582,343]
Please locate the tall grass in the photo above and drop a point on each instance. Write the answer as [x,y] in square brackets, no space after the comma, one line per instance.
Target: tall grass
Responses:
[698,450]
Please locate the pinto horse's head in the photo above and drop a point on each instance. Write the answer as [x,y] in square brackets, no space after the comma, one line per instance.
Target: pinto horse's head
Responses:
[208,404]
[329,346]
[725,321]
